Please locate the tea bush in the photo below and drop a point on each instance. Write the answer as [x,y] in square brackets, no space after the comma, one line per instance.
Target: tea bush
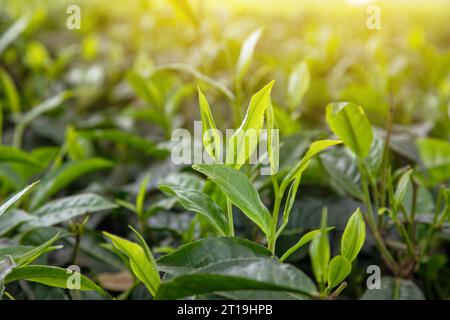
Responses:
[349,195]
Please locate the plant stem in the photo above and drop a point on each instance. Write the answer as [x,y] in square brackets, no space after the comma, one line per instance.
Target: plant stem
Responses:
[76,248]
[279,192]
[385,169]
[386,255]
[230,217]
[434,224]
[10,296]
[273,231]
[339,290]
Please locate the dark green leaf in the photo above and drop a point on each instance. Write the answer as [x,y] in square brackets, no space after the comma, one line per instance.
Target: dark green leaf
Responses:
[204,252]
[201,203]
[238,274]
[240,191]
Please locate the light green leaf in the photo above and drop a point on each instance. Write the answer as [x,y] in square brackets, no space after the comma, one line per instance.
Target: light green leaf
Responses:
[303,240]
[402,187]
[300,167]
[211,138]
[15,198]
[246,54]
[435,154]
[349,122]
[141,195]
[9,88]
[338,270]
[354,236]
[14,251]
[319,252]
[298,84]
[144,245]
[238,188]
[244,141]
[201,203]
[32,254]
[142,267]
[51,276]
[65,175]
[273,142]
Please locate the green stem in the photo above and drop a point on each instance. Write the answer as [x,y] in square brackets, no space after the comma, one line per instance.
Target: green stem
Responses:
[279,192]
[339,290]
[230,217]
[386,255]
[76,248]
[273,231]
[434,224]
[10,296]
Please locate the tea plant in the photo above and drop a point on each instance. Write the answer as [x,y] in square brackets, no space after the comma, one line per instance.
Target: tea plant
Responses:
[334,183]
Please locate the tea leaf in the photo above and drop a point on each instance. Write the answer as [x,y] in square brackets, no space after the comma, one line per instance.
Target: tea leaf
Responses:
[272,140]
[5,206]
[141,195]
[209,251]
[319,251]
[303,240]
[211,138]
[349,122]
[402,187]
[50,276]
[142,267]
[394,289]
[202,204]
[298,84]
[435,154]
[300,167]
[238,188]
[338,270]
[144,245]
[246,54]
[31,255]
[67,208]
[63,176]
[244,141]
[238,274]
[341,166]
[354,236]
